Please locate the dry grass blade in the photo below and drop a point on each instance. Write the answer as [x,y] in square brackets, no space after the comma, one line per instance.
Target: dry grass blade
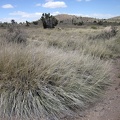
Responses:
[35,87]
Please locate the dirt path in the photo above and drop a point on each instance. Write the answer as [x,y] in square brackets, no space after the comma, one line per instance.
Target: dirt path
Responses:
[109,107]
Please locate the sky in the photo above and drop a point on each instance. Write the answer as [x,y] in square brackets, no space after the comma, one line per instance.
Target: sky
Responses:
[31,10]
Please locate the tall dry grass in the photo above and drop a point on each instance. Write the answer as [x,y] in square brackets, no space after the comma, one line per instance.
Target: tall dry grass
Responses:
[54,75]
[79,40]
[46,82]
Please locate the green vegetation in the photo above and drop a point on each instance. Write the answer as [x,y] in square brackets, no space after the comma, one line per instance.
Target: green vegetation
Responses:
[48,21]
[93,27]
[27,23]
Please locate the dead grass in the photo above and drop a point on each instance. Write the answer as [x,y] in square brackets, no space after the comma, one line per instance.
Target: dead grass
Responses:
[78,39]
[58,74]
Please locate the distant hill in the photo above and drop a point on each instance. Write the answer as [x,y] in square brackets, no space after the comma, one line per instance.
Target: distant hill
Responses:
[117,17]
[66,20]
[65,17]
[114,19]
[61,17]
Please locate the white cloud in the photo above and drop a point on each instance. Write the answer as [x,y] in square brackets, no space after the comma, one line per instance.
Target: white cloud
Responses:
[21,16]
[25,14]
[38,4]
[54,4]
[20,13]
[94,15]
[104,16]
[9,19]
[30,15]
[7,6]
[55,13]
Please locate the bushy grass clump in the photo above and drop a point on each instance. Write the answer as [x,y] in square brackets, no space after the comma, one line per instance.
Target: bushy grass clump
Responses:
[107,33]
[15,34]
[48,83]
[93,27]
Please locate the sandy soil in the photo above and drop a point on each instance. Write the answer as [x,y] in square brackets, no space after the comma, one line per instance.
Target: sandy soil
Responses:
[109,107]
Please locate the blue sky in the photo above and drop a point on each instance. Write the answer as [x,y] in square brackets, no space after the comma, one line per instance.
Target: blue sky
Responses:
[22,10]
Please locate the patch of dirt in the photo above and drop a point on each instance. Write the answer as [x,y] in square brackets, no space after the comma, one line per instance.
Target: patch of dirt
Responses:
[109,107]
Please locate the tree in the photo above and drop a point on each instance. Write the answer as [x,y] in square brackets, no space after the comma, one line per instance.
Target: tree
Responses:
[48,21]
[80,23]
[27,23]
[13,21]
[100,22]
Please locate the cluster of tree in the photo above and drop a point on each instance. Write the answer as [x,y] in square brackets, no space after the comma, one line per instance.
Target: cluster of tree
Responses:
[48,20]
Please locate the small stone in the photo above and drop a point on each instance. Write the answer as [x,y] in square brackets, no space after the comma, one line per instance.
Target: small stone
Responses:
[116,88]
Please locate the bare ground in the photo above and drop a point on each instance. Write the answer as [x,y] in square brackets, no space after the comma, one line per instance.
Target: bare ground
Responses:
[109,107]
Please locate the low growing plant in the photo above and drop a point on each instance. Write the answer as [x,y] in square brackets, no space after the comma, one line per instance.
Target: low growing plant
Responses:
[107,33]
[47,83]
[15,34]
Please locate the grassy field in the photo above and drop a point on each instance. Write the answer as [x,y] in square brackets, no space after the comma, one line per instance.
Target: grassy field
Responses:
[53,73]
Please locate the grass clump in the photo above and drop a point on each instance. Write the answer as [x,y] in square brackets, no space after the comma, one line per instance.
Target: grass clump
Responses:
[47,83]
[95,48]
[15,34]
[93,27]
[107,33]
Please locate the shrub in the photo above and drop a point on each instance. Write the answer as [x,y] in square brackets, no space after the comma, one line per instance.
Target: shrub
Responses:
[93,27]
[100,22]
[15,34]
[1,25]
[107,33]
[35,22]
[49,21]
[94,21]
[27,23]
[80,23]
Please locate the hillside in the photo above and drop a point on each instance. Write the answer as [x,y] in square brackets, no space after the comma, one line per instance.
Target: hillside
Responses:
[64,17]
[114,19]
[66,20]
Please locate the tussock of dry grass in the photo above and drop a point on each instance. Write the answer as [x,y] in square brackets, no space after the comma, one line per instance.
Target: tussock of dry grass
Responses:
[15,34]
[44,82]
[57,74]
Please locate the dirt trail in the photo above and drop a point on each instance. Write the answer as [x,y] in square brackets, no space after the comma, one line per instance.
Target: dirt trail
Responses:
[109,107]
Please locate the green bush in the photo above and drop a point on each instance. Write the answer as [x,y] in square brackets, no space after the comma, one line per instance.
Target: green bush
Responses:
[100,22]
[93,27]
[35,22]
[49,21]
